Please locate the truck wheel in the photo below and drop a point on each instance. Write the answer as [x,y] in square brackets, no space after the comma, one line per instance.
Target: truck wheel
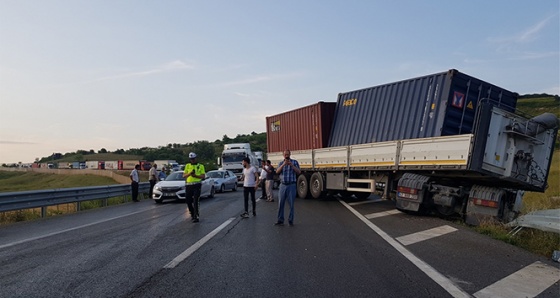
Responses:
[316,185]
[303,187]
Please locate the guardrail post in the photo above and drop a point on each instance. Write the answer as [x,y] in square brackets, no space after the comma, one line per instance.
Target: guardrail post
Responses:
[105,202]
[78,206]
[44,211]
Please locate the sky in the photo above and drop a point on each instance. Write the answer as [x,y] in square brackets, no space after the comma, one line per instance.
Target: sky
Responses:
[82,75]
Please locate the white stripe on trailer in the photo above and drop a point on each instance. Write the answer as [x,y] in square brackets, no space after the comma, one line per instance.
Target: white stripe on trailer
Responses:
[527,282]
[382,213]
[425,235]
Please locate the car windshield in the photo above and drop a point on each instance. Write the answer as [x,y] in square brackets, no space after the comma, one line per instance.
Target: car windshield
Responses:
[233,157]
[216,174]
[175,176]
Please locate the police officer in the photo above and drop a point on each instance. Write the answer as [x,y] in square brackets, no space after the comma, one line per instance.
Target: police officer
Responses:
[194,173]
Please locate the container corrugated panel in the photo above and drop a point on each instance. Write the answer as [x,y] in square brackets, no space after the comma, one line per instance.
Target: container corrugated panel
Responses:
[430,106]
[305,128]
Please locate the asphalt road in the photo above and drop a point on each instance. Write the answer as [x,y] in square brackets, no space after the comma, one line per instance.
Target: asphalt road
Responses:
[335,249]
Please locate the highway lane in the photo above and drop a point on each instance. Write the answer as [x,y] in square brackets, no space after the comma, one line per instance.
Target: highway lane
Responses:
[122,251]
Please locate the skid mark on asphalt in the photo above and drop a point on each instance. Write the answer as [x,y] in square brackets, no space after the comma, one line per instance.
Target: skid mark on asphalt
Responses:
[425,235]
[527,282]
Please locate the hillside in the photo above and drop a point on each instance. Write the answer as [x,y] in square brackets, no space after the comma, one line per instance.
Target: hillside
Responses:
[539,105]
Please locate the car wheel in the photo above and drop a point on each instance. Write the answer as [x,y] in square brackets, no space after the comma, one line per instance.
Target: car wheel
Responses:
[234,187]
[223,188]
[212,192]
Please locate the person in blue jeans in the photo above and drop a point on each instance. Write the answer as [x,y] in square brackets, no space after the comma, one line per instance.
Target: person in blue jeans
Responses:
[288,169]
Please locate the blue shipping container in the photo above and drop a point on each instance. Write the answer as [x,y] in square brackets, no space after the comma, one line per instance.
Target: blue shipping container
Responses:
[430,106]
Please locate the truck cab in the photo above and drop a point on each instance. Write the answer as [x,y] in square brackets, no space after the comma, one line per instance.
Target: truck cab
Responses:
[232,158]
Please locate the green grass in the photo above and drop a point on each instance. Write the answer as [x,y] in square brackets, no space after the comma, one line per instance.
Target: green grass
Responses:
[536,241]
[537,106]
[22,181]
[99,156]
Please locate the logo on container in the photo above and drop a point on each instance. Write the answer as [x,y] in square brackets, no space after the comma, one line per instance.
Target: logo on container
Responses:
[275,126]
[350,102]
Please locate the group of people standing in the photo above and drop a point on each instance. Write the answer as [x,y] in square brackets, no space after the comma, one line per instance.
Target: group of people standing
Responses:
[194,173]
[154,176]
[288,169]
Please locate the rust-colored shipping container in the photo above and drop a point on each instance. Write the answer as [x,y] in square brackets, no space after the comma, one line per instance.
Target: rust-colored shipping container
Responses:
[304,128]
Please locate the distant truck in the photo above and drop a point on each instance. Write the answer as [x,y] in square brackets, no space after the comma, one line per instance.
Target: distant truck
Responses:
[445,142]
[232,158]
[95,165]
[169,164]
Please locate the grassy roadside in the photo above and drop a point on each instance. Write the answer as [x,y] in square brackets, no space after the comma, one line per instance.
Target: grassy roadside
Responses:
[536,241]
[28,181]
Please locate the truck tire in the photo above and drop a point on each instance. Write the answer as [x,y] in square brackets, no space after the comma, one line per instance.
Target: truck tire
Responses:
[316,185]
[303,187]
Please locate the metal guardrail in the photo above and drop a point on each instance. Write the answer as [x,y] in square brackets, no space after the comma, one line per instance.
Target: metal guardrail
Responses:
[544,220]
[10,201]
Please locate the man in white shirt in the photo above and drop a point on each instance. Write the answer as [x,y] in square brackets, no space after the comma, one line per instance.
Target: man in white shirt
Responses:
[134,180]
[262,180]
[153,178]
[250,177]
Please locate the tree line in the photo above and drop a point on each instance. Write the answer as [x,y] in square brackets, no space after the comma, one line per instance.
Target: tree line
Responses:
[207,152]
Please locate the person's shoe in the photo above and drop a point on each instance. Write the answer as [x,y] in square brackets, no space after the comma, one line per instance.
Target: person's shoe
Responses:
[291,223]
[254,213]
[279,223]
[271,200]
[195,219]
[245,215]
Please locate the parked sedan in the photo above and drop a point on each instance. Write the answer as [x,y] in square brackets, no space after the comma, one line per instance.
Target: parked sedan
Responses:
[173,187]
[223,179]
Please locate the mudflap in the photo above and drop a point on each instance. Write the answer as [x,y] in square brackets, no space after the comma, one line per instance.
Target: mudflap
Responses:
[412,202]
[484,205]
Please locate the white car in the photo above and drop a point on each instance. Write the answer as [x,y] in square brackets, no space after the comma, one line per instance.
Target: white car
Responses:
[173,187]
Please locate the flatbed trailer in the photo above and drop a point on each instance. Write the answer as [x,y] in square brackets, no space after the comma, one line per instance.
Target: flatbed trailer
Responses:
[479,175]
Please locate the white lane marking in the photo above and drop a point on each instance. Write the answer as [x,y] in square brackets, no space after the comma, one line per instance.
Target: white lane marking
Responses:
[365,202]
[527,282]
[441,280]
[68,230]
[197,245]
[382,213]
[425,235]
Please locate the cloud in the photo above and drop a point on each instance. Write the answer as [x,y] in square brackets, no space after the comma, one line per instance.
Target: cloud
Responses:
[169,67]
[525,36]
[16,143]
[262,78]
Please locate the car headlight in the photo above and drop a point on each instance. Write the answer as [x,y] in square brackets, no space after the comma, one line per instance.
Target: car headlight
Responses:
[158,188]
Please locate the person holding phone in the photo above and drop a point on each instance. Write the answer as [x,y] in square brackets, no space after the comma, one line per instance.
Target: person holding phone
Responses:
[288,169]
